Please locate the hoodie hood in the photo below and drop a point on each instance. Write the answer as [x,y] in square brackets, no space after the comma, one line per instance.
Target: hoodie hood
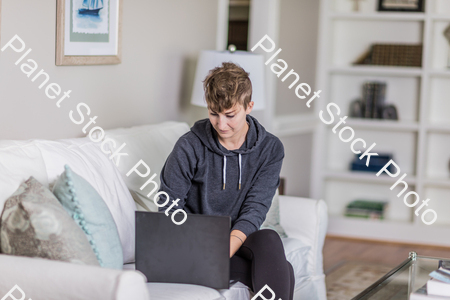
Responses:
[204,130]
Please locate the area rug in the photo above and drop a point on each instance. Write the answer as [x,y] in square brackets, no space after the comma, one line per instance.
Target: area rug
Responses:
[350,278]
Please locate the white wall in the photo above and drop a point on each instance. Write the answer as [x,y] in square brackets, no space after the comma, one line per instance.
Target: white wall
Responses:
[161,40]
[297,164]
[298,39]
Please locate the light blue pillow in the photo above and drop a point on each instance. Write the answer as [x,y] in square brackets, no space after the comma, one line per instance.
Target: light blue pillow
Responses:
[91,213]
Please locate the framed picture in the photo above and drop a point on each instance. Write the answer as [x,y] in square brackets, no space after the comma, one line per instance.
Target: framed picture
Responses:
[88,32]
[401,5]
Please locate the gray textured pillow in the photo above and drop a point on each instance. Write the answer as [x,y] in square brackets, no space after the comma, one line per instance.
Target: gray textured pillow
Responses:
[35,224]
[273,217]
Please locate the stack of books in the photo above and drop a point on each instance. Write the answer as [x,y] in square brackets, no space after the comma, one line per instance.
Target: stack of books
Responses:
[374,94]
[438,287]
[367,209]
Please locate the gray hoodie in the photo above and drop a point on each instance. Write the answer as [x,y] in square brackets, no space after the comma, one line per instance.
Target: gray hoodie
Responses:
[209,179]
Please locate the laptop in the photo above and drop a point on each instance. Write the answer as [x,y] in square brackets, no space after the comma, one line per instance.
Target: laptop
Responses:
[195,252]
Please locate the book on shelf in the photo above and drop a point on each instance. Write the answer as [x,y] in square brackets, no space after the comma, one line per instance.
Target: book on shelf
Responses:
[422,294]
[368,92]
[438,287]
[376,163]
[442,275]
[367,209]
[379,95]
[374,94]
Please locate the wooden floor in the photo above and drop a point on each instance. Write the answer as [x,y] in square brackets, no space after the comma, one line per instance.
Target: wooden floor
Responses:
[339,250]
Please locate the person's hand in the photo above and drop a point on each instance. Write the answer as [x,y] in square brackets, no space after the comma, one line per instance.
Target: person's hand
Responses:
[237,238]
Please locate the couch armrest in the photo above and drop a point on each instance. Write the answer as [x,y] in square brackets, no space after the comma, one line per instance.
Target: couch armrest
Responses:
[306,220]
[47,279]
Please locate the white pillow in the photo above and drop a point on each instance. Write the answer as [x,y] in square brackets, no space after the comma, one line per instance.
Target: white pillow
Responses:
[152,144]
[297,254]
[87,160]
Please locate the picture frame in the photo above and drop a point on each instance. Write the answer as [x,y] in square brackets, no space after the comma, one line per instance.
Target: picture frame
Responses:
[88,32]
[401,5]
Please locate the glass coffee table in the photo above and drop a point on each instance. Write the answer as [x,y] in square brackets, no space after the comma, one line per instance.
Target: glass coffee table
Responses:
[404,279]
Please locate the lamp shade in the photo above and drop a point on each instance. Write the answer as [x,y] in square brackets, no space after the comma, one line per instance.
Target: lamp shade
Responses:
[250,62]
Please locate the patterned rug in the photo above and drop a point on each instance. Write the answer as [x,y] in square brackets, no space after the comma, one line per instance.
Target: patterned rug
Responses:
[350,278]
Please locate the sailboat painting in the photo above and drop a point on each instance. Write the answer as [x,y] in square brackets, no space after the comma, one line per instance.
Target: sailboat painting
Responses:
[88,32]
[90,16]
[91,7]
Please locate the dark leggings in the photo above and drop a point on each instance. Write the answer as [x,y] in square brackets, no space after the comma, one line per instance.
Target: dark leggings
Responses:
[261,261]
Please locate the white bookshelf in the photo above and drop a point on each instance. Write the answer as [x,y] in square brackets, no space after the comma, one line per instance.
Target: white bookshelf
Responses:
[419,141]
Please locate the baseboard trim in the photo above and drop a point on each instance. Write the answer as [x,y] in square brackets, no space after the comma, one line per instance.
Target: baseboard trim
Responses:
[384,242]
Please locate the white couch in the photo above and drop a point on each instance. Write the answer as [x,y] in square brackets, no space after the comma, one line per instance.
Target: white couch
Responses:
[304,221]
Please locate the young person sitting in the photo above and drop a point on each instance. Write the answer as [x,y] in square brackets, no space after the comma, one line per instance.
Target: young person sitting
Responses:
[229,165]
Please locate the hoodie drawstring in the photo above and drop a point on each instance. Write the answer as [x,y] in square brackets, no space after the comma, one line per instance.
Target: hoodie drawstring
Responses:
[225,171]
[240,171]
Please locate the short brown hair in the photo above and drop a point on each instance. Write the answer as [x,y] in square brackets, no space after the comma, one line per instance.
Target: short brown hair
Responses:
[227,85]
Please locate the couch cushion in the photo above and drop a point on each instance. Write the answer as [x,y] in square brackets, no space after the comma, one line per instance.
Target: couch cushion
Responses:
[237,291]
[87,160]
[35,224]
[297,254]
[90,212]
[18,161]
[43,279]
[170,291]
[152,144]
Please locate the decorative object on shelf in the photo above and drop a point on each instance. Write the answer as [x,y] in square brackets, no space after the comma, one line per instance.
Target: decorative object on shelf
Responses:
[390,112]
[373,99]
[372,105]
[367,209]
[250,62]
[368,93]
[376,163]
[356,5]
[356,109]
[379,95]
[88,32]
[401,5]
[447,36]
[402,55]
